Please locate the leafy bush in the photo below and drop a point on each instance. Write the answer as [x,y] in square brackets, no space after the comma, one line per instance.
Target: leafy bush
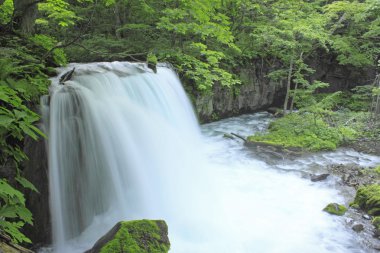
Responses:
[368,198]
[305,131]
[359,98]
[14,215]
[22,82]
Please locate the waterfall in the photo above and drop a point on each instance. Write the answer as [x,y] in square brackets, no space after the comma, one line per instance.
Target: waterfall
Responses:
[124,144]
[121,143]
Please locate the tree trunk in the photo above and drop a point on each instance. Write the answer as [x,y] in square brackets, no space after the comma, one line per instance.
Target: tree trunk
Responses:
[293,96]
[376,99]
[295,90]
[117,20]
[24,16]
[288,85]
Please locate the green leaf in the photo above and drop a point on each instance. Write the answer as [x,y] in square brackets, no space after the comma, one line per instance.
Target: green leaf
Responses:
[26,184]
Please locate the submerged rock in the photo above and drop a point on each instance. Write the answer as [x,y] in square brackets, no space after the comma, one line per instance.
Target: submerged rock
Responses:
[320,177]
[366,216]
[140,236]
[336,209]
[358,227]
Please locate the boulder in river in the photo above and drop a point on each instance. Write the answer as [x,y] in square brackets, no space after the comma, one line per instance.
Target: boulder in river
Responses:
[336,209]
[140,236]
[358,227]
[320,177]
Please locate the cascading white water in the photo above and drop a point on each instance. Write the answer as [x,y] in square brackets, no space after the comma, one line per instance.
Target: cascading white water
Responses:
[124,144]
[119,141]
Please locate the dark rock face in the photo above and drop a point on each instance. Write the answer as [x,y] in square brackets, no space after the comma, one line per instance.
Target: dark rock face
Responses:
[36,171]
[138,236]
[328,69]
[256,92]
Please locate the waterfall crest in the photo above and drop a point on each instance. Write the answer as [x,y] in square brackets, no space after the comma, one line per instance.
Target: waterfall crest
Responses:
[119,136]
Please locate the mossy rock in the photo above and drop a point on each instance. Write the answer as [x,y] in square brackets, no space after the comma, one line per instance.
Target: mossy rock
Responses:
[336,209]
[368,199]
[140,236]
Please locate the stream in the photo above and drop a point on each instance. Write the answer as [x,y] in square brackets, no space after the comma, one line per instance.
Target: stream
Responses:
[272,206]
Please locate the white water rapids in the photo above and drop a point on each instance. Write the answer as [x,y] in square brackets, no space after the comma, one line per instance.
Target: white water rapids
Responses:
[124,144]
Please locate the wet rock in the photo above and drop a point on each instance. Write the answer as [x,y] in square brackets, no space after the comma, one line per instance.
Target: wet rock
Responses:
[143,236]
[336,209]
[358,227]
[376,233]
[349,221]
[376,246]
[364,145]
[354,175]
[366,216]
[320,177]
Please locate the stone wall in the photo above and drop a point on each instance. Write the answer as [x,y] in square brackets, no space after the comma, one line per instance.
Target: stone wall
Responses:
[36,171]
[255,93]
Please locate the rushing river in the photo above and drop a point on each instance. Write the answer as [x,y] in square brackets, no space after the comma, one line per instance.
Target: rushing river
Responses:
[270,206]
[124,144]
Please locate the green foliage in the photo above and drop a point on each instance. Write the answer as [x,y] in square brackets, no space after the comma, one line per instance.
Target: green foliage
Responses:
[304,130]
[376,222]
[13,213]
[6,12]
[368,198]
[48,43]
[377,169]
[355,27]
[138,237]
[56,12]
[22,82]
[359,99]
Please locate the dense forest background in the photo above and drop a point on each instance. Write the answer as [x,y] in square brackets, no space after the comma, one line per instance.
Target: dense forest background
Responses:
[206,41]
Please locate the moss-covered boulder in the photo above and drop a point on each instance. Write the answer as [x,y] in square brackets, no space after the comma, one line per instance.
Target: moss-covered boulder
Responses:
[140,236]
[368,198]
[336,209]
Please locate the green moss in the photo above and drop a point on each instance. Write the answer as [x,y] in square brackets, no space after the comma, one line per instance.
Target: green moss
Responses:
[368,199]
[303,131]
[377,170]
[376,222]
[143,236]
[336,209]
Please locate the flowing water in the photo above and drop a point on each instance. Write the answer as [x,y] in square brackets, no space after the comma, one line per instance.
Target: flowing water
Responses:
[124,144]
